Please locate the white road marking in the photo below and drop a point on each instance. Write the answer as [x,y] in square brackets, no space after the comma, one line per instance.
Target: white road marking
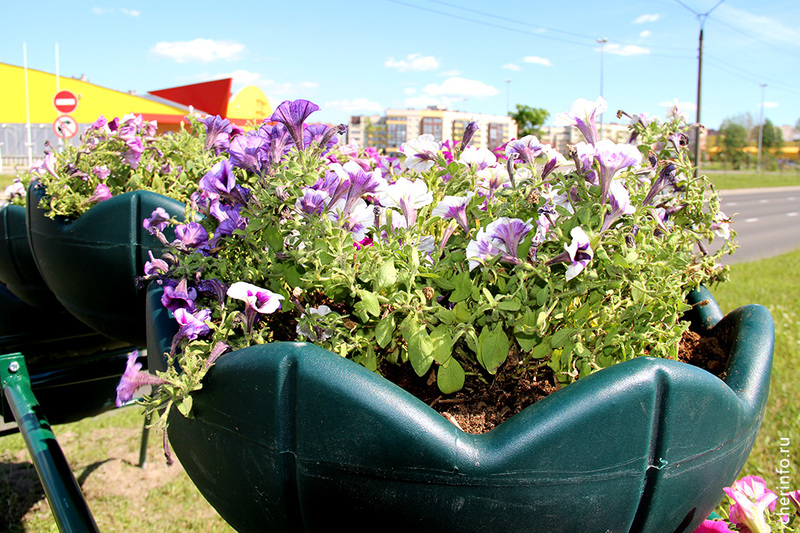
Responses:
[763,201]
[731,204]
[751,220]
[793,214]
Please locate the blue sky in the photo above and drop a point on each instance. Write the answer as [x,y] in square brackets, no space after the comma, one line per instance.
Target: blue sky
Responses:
[363,56]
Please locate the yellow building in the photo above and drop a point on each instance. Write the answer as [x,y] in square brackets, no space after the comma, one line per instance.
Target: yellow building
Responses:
[31,115]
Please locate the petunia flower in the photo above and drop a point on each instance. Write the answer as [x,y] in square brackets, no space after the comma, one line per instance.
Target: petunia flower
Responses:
[721,225]
[218,133]
[179,296]
[293,114]
[420,152]
[102,172]
[492,179]
[454,207]
[306,326]
[578,253]
[714,526]
[191,325]
[478,158]
[526,149]
[158,221]
[469,133]
[747,513]
[583,115]
[191,235]
[620,203]
[220,182]
[613,157]
[408,196]
[133,379]
[250,152]
[155,266]
[313,202]
[260,300]
[501,237]
[101,193]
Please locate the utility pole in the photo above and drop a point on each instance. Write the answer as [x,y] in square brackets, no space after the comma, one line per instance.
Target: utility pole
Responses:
[760,129]
[508,97]
[701,17]
[602,42]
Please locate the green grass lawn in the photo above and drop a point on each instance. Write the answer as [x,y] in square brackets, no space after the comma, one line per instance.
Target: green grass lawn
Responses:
[748,180]
[774,283]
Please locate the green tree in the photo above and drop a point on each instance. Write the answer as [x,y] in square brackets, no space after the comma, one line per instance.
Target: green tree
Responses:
[772,136]
[529,119]
[733,139]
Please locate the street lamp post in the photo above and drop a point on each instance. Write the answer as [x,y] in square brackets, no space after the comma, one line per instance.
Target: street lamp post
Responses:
[508,96]
[602,41]
[760,129]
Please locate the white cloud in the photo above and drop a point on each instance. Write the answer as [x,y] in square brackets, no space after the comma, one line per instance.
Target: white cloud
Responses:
[538,60]
[761,26]
[410,90]
[450,73]
[416,62]
[203,50]
[105,10]
[512,66]
[425,101]
[460,88]
[357,105]
[648,17]
[627,50]
[771,104]
[645,33]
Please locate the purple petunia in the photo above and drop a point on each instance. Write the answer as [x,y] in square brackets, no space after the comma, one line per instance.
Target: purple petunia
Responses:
[133,379]
[293,114]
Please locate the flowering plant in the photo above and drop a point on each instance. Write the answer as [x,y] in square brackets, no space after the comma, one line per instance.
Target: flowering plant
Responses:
[752,508]
[115,157]
[465,265]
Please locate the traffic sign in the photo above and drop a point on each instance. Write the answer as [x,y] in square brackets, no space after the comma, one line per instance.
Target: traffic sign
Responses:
[65,101]
[65,127]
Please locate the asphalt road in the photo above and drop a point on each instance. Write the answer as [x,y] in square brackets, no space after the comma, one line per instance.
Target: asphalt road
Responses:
[767,221]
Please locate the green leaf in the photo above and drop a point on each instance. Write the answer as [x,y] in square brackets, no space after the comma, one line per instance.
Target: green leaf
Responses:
[509,305]
[442,344]
[450,377]
[463,287]
[493,347]
[185,406]
[387,275]
[274,238]
[560,337]
[462,312]
[384,331]
[420,347]
[369,302]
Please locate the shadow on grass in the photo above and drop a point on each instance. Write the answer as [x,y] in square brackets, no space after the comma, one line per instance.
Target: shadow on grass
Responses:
[20,490]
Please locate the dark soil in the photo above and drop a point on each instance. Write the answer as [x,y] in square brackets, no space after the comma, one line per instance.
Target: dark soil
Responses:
[481,412]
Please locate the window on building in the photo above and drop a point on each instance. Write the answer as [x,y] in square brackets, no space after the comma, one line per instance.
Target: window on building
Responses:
[395,134]
[458,129]
[496,133]
[432,126]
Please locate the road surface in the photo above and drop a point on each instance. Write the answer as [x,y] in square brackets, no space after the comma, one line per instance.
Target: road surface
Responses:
[767,221]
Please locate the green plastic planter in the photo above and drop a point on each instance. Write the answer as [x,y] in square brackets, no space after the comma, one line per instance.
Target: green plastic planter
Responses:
[91,263]
[18,270]
[291,437]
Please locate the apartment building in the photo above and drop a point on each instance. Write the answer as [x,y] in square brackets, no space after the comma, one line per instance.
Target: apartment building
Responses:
[390,131]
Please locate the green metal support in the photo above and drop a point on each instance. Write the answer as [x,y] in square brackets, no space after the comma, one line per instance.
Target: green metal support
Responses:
[66,500]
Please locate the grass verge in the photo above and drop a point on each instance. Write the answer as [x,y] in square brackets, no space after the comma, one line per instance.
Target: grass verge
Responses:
[748,180]
[774,283]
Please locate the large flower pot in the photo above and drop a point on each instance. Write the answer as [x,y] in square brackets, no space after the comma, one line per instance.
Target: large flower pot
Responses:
[18,270]
[291,437]
[91,263]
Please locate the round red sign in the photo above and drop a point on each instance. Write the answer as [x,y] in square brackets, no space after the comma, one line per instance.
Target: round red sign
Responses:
[65,101]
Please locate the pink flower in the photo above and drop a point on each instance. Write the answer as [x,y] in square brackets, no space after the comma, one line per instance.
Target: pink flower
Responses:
[746,512]
[132,379]
[100,194]
[713,526]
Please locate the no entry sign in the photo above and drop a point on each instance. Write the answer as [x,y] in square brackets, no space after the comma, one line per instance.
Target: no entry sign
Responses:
[65,127]
[65,101]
